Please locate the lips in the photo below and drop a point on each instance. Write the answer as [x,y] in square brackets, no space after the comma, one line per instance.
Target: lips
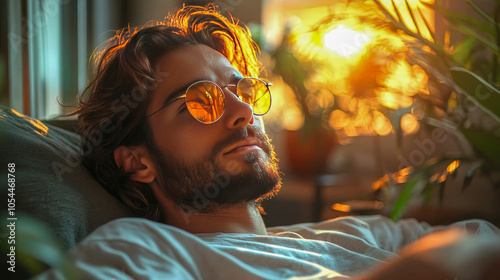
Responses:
[246,144]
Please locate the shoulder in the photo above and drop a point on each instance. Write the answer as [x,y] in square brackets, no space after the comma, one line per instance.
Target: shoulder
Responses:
[119,226]
[378,231]
[138,231]
[343,224]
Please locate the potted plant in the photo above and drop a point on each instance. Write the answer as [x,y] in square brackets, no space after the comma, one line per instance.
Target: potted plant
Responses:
[460,96]
[309,147]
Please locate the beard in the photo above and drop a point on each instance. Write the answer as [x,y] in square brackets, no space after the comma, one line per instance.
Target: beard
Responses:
[209,186]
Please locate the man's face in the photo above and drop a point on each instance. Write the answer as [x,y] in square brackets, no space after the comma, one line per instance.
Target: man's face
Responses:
[200,166]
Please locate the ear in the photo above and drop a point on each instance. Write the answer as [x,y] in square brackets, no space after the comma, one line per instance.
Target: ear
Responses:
[136,159]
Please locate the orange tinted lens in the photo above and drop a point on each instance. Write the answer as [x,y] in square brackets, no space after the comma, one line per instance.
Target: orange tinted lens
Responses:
[205,101]
[256,93]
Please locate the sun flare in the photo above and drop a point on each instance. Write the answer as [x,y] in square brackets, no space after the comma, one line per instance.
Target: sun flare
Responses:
[346,41]
[358,73]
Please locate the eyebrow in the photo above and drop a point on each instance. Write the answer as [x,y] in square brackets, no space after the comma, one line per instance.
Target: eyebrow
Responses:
[178,92]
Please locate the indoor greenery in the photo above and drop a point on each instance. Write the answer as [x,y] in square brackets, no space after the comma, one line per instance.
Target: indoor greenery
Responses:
[461,94]
[464,95]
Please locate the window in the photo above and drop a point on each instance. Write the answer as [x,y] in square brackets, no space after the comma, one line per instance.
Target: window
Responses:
[45,51]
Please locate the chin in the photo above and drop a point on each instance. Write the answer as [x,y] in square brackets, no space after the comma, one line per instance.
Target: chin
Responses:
[224,183]
[248,162]
[254,179]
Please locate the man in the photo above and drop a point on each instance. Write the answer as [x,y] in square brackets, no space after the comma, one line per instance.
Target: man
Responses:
[155,155]
[179,105]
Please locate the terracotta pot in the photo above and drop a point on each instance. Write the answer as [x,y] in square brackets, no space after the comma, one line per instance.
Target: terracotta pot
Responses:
[308,155]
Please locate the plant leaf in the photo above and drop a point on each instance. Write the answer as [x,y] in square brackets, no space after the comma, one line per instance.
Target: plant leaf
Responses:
[466,24]
[412,15]
[470,174]
[428,191]
[454,173]
[480,11]
[427,25]
[441,190]
[399,24]
[398,13]
[470,32]
[386,12]
[485,143]
[462,19]
[479,91]
[463,51]
[404,198]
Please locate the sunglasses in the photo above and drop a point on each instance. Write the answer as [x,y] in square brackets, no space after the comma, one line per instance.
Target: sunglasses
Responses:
[205,100]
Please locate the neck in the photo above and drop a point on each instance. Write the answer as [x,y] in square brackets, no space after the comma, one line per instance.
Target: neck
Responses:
[240,218]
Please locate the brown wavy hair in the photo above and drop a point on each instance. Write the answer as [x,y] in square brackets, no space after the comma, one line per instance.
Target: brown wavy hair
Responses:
[111,110]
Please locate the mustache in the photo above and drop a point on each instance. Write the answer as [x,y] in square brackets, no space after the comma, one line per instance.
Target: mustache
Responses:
[242,134]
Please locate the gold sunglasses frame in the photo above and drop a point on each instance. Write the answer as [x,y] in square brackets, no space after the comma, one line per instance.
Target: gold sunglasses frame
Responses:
[267,84]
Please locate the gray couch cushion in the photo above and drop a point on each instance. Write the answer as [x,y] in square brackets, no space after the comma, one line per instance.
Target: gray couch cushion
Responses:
[51,182]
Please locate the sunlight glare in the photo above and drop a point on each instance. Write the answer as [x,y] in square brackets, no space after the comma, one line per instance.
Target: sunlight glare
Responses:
[409,124]
[293,119]
[338,119]
[388,99]
[346,41]
[381,124]
[453,166]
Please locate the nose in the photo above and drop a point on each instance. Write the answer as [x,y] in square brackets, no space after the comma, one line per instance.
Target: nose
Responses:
[237,113]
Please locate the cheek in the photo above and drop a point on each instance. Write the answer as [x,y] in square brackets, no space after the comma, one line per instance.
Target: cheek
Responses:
[184,143]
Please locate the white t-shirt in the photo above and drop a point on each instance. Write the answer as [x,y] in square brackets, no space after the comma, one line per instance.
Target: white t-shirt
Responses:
[133,248]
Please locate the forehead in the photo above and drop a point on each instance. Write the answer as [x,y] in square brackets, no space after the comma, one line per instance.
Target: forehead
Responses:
[188,64]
